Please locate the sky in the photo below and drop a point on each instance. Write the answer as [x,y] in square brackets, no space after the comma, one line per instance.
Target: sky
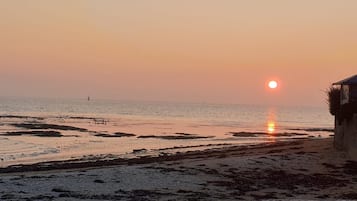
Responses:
[216,51]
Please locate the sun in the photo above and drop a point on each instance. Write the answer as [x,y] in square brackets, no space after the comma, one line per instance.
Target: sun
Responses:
[273,84]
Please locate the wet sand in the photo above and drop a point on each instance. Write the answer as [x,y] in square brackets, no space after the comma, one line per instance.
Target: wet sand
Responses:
[303,169]
[32,139]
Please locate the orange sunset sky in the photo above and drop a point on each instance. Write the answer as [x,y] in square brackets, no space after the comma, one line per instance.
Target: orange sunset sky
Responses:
[222,51]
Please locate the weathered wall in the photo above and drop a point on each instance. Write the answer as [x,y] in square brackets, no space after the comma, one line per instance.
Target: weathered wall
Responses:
[346,135]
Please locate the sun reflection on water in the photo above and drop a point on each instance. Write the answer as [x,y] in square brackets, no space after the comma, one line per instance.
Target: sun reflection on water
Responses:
[271,127]
[271,122]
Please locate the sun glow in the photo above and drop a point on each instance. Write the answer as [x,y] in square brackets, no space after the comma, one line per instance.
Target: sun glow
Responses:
[273,84]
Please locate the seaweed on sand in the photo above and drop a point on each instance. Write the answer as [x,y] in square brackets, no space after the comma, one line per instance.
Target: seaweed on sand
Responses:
[45,126]
[20,117]
[35,133]
[257,134]
[117,134]
[175,137]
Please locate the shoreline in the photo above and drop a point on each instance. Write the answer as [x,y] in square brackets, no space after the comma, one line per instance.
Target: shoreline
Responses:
[102,162]
[301,169]
[33,139]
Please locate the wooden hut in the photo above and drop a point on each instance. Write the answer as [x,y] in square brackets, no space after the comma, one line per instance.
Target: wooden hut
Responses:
[346,116]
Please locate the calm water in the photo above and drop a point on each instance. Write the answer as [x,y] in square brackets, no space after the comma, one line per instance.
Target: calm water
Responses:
[245,116]
[215,123]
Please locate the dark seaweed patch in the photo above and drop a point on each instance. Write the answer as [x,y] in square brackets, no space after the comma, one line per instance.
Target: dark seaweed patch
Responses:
[35,133]
[117,134]
[257,134]
[314,129]
[20,117]
[349,196]
[36,126]
[350,167]
[246,181]
[174,137]
[185,134]
[247,134]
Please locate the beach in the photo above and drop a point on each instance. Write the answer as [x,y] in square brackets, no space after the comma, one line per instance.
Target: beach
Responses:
[305,169]
[81,150]
[178,100]
[76,129]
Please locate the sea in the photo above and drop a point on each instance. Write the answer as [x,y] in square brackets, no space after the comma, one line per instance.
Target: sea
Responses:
[36,130]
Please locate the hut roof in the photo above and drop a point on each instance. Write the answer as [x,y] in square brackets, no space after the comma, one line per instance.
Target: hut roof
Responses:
[348,81]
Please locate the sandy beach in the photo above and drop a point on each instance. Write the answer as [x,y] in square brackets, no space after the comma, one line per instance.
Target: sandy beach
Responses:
[308,169]
[178,100]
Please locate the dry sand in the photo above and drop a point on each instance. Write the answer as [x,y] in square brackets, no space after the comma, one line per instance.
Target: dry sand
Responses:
[295,170]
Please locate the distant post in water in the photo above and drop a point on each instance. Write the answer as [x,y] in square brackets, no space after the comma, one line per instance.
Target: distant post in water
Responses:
[342,98]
